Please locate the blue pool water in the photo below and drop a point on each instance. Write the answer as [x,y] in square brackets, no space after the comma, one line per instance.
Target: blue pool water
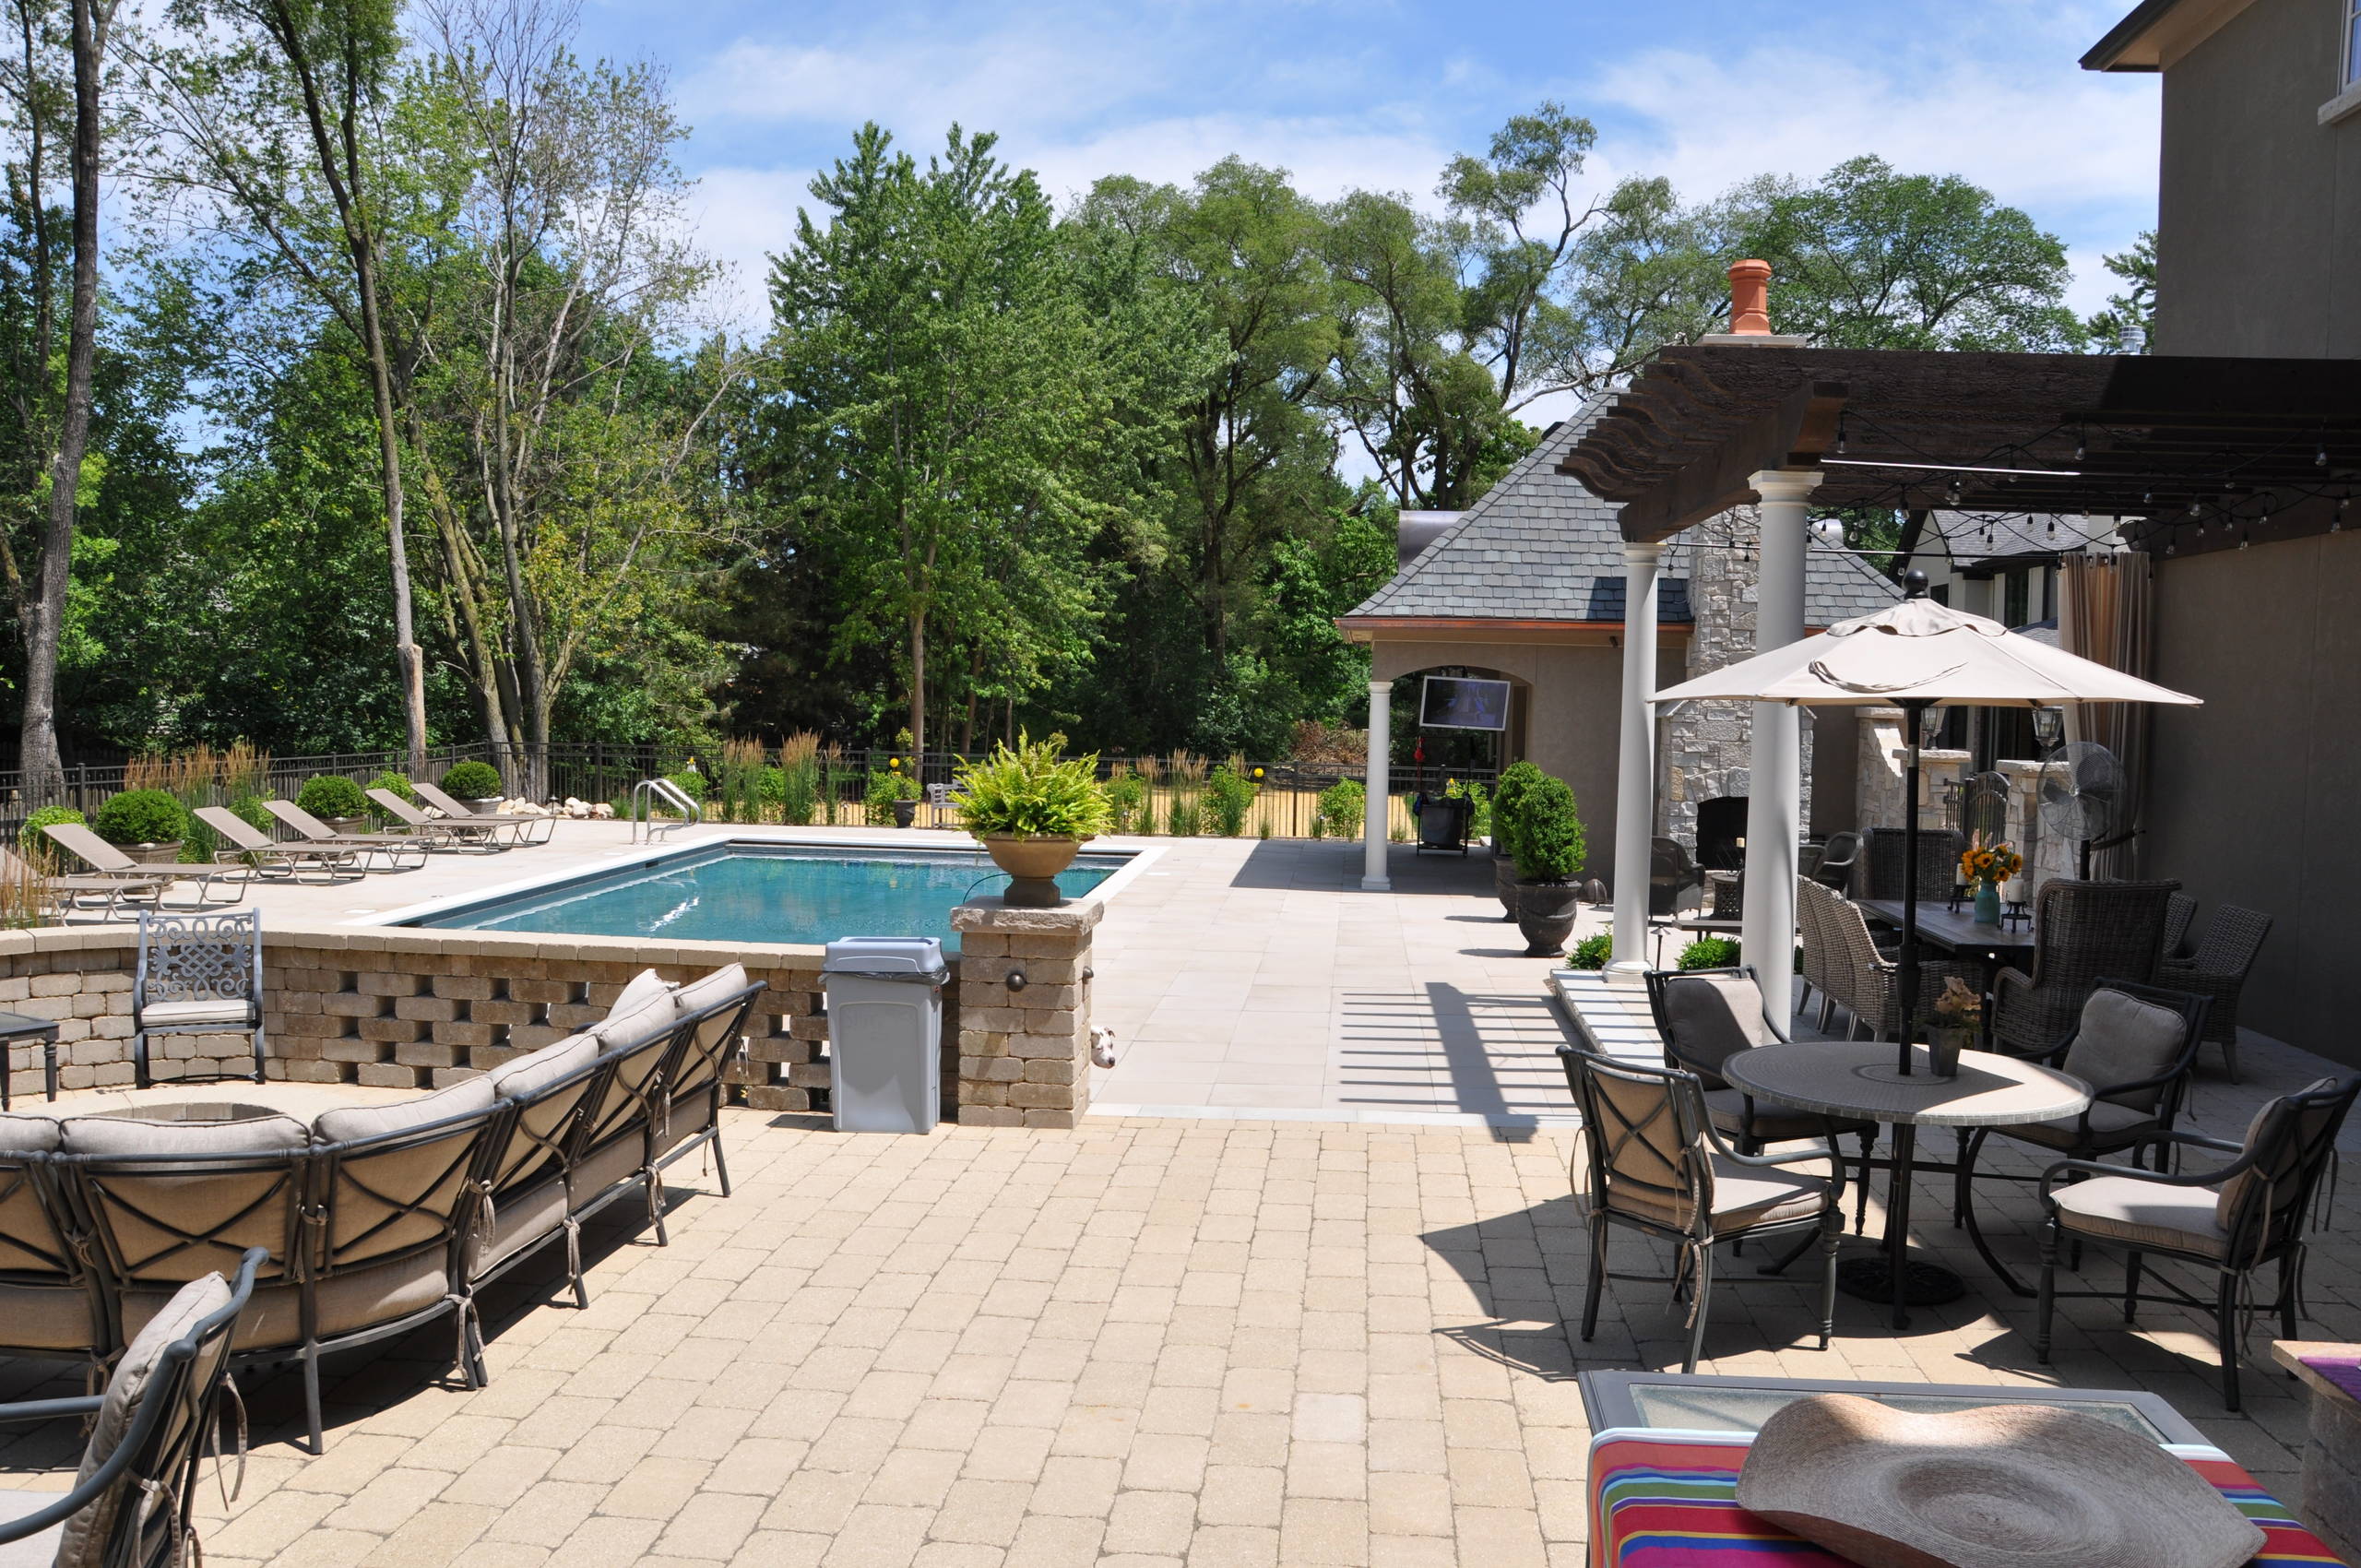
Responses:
[746,893]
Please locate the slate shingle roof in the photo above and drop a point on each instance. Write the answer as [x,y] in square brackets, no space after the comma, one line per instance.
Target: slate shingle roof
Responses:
[1538,546]
[1973,540]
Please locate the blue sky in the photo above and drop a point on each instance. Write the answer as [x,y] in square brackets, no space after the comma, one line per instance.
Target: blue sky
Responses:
[1378,95]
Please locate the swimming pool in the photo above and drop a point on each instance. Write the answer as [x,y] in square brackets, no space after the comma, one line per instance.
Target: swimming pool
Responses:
[752,892]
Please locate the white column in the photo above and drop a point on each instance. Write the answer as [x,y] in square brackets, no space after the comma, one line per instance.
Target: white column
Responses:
[1635,783]
[1381,709]
[1774,766]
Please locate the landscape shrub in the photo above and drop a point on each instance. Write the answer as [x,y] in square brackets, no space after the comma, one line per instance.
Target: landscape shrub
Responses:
[142,816]
[883,789]
[1228,797]
[1185,817]
[32,841]
[1508,802]
[1549,841]
[1591,952]
[332,795]
[1341,807]
[1710,953]
[394,784]
[471,781]
[690,782]
[1127,801]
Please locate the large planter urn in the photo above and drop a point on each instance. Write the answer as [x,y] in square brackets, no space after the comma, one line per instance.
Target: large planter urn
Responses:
[1032,864]
[164,854]
[905,814]
[1504,882]
[341,826]
[1546,912]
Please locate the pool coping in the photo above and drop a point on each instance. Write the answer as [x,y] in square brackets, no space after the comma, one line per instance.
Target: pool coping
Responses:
[1139,857]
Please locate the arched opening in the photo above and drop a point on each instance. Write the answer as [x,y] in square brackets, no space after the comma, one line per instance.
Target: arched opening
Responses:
[1432,740]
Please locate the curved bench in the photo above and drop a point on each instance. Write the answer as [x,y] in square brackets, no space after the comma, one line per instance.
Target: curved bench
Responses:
[375,1220]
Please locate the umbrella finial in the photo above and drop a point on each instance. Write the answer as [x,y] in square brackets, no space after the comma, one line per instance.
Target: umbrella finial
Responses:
[1914,584]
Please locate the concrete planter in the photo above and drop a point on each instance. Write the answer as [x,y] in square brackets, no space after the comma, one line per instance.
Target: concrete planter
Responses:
[153,854]
[347,824]
[1504,883]
[905,814]
[1032,864]
[1546,912]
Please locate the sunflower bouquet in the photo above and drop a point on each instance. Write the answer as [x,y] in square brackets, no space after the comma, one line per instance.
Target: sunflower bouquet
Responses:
[1989,864]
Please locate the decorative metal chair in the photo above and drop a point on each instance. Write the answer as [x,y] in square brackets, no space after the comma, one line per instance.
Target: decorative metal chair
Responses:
[1706,1016]
[1656,1164]
[197,975]
[2218,971]
[2232,1221]
[1837,860]
[132,1505]
[2081,931]
[1880,876]
[2134,1045]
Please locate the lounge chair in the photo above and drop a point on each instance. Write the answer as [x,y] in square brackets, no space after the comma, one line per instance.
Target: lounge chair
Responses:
[113,893]
[456,811]
[320,836]
[256,849]
[108,861]
[485,833]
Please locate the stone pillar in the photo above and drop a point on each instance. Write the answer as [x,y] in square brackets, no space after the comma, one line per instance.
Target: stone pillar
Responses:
[1635,783]
[1024,1013]
[1774,773]
[1374,826]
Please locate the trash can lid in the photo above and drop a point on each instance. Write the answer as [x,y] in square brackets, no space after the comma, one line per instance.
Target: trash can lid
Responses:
[889,957]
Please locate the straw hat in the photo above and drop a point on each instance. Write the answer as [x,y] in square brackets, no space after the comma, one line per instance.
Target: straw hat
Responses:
[2003,1486]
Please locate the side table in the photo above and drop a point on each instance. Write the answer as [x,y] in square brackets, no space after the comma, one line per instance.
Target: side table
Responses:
[2332,1497]
[15,1027]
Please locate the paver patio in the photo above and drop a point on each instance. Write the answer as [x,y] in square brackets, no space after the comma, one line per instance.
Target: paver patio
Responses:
[1242,1340]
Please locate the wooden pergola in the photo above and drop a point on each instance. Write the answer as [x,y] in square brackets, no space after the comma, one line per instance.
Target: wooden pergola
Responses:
[2191,454]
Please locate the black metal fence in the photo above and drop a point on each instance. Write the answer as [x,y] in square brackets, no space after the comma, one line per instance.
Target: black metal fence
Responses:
[1155,795]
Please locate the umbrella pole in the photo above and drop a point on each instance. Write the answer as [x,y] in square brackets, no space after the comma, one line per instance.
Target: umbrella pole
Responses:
[1913,710]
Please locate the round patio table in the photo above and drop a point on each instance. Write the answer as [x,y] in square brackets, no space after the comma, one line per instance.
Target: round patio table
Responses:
[1859,1079]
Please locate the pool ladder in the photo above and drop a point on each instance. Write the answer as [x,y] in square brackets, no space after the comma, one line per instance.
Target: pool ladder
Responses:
[644,796]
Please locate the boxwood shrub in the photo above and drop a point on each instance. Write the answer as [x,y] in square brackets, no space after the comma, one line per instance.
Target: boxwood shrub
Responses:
[332,795]
[142,816]
[471,780]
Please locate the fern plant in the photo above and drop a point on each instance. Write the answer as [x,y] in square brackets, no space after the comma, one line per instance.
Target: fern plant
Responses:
[1028,791]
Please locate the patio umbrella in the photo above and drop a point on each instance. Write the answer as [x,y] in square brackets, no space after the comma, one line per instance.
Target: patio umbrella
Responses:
[1914,654]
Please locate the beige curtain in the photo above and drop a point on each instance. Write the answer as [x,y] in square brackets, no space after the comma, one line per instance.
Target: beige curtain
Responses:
[2106,614]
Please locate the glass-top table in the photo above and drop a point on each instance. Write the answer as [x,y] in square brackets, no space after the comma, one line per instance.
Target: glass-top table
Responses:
[1669,1401]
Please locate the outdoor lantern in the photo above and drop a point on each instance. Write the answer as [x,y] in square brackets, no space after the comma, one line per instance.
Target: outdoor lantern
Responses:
[1931,726]
[2048,726]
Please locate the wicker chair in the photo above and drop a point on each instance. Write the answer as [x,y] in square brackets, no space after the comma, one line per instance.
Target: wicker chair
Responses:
[2082,929]
[1820,947]
[2231,1221]
[2134,1046]
[1656,1163]
[1938,850]
[1837,860]
[2180,910]
[1671,874]
[1868,978]
[2218,972]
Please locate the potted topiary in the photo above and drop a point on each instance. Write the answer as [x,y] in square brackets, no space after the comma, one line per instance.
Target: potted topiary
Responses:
[1549,848]
[892,798]
[145,824]
[1032,811]
[337,801]
[477,783]
[1507,804]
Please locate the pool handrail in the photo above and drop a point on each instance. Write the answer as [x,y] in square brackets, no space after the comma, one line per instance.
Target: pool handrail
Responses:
[642,814]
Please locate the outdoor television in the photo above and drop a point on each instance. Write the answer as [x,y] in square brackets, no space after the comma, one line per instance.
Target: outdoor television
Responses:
[1452,702]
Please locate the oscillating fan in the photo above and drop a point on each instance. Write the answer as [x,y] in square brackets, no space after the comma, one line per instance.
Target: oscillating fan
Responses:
[2081,797]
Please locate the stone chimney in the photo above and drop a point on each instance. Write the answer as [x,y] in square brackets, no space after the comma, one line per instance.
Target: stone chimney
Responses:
[1750,298]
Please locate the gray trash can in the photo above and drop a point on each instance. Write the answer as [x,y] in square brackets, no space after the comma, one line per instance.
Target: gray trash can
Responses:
[885,1032]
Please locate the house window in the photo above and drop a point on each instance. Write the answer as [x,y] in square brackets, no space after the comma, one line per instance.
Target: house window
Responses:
[2017,597]
[2353,42]
[1941,593]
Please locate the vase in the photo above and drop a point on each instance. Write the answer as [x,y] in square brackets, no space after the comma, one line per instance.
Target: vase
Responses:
[1944,1042]
[1546,912]
[1987,903]
[1504,882]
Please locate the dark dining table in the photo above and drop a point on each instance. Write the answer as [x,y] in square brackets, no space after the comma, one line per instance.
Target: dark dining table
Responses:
[1957,931]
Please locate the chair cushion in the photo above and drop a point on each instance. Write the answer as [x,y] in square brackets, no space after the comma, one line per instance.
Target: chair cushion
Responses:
[1713,1017]
[2127,1209]
[126,1136]
[347,1124]
[1744,1195]
[617,1162]
[21,1133]
[2122,1040]
[46,1317]
[85,1539]
[355,1298]
[232,1010]
[717,987]
[637,993]
[518,1223]
[1773,1122]
[32,1552]
[2112,1127]
[2234,1191]
[621,1031]
[528,1075]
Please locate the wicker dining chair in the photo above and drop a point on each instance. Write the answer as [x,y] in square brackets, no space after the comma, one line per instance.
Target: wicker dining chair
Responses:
[2134,1045]
[2180,910]
[1869,977]
[2081,931]
[1819,948]
[1654,1162]
[2218,971]
[1938,851]
[2231,1221]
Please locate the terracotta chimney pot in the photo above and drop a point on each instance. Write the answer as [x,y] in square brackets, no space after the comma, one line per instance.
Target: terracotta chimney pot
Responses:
[1751,299]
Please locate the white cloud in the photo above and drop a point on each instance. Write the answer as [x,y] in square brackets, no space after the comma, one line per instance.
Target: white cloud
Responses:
[742,217]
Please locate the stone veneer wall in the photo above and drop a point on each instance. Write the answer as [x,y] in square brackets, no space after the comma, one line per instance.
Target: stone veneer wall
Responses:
[1703,751]
[1024,1050]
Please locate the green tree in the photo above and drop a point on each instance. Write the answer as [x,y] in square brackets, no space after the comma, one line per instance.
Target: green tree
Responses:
[2133,311]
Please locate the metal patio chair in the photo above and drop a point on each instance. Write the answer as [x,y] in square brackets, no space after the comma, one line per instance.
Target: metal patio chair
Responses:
[197,975]
[2218,971]
[1656,1164]
[2230,1222]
